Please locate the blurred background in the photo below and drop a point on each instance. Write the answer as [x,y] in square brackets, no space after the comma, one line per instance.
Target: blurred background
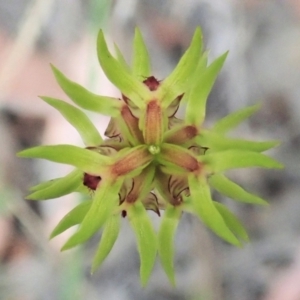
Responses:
[263,65]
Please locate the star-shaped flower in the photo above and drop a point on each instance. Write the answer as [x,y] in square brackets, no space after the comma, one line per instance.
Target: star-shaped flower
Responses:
[151,159]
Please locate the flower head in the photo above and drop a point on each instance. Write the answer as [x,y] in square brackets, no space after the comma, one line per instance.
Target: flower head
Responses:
[150,159]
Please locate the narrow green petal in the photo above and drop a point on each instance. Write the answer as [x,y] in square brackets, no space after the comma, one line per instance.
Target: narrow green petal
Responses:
[196,106]
[205,209]
[194,79]
[119,76]
[108,239]
[146,239]
[232,190]
[105,200]
[82,97]
[86,160]
[120,58]
[59,187]
[79,120]
[141,68]
[219,142]
[74,217]
[178,81]
[166,236]
[233,223]
[234,119]
[231,159]
[44,185]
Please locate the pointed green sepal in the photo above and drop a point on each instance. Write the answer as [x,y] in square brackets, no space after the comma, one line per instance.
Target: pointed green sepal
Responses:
[232,190]
[178,81]
[205,209]
[141,67]
[108,239]
[86,160]
[234,119]
[146,239]
[217,142]
[78,119]
[74,217]
[196,105]
[194,78]
[58,187]
[105,201]
[166,236]
[119,76]
[232,159]
[82,97]
[120,58]
[44,184]
[232,222]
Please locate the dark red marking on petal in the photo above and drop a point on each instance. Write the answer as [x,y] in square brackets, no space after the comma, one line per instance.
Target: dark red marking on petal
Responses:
[112,129]
[173,107]
[91,181]
[204,149]
[157,206]
[177,198]
[132,123]
[133,108]
[152,83]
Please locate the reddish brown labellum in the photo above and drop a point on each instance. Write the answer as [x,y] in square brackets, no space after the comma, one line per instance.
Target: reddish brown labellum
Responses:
[179,157]
[130,162]
[153,123]
[181,135]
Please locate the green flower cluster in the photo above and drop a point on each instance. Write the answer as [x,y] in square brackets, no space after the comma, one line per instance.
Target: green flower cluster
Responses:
[150,159]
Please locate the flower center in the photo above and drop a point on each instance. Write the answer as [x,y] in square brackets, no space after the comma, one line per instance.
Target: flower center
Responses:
[154,149]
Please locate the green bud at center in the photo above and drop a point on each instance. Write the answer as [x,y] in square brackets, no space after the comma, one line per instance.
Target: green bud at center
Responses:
[154,149]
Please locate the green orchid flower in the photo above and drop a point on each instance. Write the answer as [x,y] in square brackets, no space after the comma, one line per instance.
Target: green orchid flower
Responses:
[150,159]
